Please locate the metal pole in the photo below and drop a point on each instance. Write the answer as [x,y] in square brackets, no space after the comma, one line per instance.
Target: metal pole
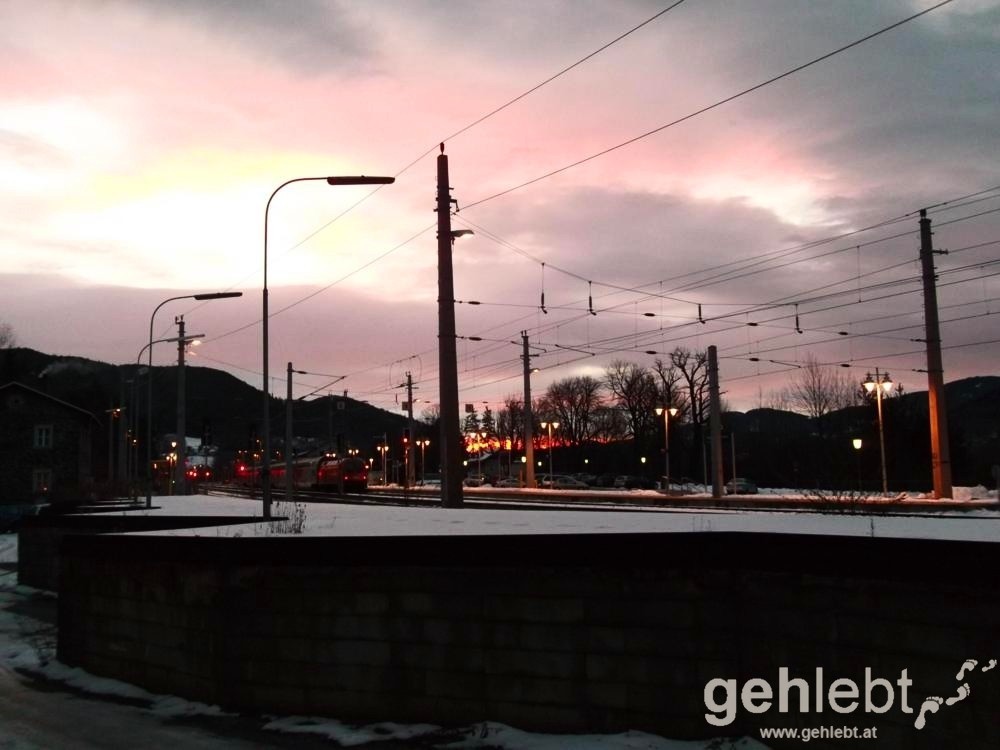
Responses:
[451,459]
[529,448]
[111,445]
[122,418]
[551,479]
[179,475]
[666,453]
[408,448]
[940,451]
[149,414]
[289,484]
[881,435]
[715,419]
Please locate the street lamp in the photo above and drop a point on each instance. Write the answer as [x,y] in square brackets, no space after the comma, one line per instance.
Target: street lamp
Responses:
[479,438]
[171,463]
[878,384]
[667,412]
[149,382]
[551,426]
[856,442]
[384,450]
[265,472]
[423,459]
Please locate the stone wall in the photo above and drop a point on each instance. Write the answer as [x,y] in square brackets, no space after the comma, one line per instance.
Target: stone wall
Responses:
[39,537]
[597,633]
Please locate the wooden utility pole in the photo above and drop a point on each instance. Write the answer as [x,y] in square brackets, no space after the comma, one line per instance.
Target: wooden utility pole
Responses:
[940,453]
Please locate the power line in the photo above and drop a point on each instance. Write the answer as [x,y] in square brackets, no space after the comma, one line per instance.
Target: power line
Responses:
[710,107]
[471,125]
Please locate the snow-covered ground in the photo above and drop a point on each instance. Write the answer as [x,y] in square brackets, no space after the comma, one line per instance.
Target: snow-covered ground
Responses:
[27,647]
[324,519]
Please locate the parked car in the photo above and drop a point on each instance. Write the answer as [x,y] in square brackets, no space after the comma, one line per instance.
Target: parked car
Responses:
[560,482]
[508,482]
[740,486]
[474,481]
[605,480]
[632,482]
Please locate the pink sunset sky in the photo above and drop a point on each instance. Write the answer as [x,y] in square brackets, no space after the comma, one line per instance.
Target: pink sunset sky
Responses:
[140,141]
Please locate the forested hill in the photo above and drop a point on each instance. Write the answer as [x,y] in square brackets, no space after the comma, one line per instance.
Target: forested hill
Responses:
[228,406]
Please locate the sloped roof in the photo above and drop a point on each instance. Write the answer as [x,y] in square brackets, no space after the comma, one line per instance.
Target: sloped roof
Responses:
[53,399]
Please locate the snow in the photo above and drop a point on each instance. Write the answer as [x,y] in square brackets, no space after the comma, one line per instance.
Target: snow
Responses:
[327,519]
[28,646]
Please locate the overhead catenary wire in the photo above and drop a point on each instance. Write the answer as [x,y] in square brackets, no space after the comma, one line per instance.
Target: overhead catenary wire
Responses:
[710,107]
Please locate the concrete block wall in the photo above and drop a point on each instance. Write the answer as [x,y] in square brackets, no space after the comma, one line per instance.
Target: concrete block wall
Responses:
[569,634]
[40,537]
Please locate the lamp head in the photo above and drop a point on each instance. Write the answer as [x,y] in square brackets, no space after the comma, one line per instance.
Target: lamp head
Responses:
[217,295]
[360,180]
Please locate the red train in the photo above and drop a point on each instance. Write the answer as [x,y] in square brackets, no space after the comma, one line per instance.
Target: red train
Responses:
[324,472]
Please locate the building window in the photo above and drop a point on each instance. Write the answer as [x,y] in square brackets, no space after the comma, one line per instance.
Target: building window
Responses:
[41,480]
[43,436]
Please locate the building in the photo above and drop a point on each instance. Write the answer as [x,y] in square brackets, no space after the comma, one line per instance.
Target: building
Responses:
[45,448]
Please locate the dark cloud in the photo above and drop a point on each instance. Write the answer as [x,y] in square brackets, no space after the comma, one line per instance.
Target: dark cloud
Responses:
[311,36]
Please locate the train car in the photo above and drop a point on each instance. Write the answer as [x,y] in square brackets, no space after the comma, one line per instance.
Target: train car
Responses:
[351,471]
[245,474]
[310,473]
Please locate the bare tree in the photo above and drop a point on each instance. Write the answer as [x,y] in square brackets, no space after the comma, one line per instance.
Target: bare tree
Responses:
[572,402]
[672,391]
[609,424]
[635,391]
[693,369]
[817,390]
[8,340]
[510,422]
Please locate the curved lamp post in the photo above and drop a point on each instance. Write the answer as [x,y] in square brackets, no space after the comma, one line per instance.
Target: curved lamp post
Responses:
[668,412]
[149,381]
[879,383]
[265,472]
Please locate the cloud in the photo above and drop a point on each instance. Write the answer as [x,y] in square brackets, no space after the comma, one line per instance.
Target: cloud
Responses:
[310,36]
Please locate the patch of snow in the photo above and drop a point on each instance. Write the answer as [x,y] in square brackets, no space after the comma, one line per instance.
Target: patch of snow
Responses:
[327,519]
[8,548]
[490,735]
[348,735]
